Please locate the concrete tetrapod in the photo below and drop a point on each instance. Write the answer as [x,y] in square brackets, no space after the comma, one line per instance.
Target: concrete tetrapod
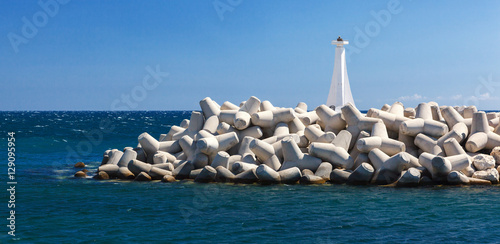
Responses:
[343,139]
[265,153]
[158,173]
[239,167]
[211,124]
[195,124]
[182,171]
[281,129]
[324,170]
[290,176]
[428,144]
[221,159]
[356,121]
[333,120]
[161,158]
[339,176]
[148,143]
[380,140]
[435,146]
[266,105]
[391,120]
[328,152]
[355,152]
[209,107]
[452,117]
[114,157]
[409,113]
[314,133]
[416,126]
[296,125]
[110,169]
[173,130]
[294,157]
[224,175]
[252,132]
[207,174]
[388,169]
[458,178]
[244,115]
[354,117]
[441,167]
[481,135]
[278,149]
[193,153]
[301,107]
[308,118]
[228,106]
[452,147]
[246,177]
[165,166]
[362,175]
[271,118]
[267,175]
[128,155]
[212,145]
[410,177]
[125,174]
[398,109]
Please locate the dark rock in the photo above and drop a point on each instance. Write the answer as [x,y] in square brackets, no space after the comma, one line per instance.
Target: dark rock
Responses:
[80,165]
[101,175]
[311,179]
[80,174]
[168,178]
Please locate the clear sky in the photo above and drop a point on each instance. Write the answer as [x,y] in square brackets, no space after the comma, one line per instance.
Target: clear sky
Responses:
[106,55]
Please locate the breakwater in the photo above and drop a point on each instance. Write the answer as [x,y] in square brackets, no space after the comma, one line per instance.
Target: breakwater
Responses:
[257,142]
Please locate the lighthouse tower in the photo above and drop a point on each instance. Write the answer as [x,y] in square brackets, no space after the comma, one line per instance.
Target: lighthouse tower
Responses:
[340,90]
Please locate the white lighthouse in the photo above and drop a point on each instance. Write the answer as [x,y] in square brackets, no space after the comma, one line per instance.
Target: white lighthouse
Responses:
[340,90]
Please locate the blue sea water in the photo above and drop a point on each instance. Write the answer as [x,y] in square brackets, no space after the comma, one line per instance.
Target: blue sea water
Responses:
[53,207]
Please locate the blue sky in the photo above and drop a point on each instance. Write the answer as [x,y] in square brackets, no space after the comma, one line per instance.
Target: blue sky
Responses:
[103,55]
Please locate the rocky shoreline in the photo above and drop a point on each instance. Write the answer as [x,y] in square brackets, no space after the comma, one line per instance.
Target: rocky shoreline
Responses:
[256,142]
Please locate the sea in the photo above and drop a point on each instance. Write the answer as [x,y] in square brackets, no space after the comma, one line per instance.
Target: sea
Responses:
[51,206]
